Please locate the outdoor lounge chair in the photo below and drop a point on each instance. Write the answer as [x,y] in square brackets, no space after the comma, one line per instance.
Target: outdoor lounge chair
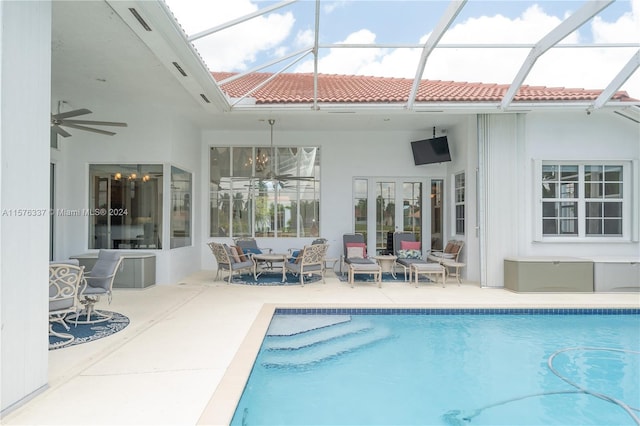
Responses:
[407,250]
[310,261]
[64,282]
[228,261]
[354,250]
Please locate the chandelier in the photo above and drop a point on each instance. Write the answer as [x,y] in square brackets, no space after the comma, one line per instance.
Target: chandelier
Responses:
[261,161]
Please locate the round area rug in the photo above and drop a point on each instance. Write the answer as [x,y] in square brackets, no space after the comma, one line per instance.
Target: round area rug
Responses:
[84,333]
[272,278]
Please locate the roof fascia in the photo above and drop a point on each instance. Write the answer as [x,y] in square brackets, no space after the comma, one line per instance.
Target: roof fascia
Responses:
[437,107]
[168,42]
[618,80]
[441,27]
[240,20]
[566,27]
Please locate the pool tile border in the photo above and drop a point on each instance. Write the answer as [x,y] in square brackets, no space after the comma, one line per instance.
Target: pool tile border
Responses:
[457,311]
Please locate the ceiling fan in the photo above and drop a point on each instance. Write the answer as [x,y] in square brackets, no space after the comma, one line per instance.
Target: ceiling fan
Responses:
[65,119]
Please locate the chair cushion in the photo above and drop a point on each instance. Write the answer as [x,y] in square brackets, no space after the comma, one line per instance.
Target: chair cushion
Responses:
[450,248]
[409,254]
[295,257]
[363,246]
[235,255]
[359,261]
[241,256]
[100,275]
[409,262]
[251,250]
[241,265]
[296,267]
[355,252]
[230,253]
[410,245]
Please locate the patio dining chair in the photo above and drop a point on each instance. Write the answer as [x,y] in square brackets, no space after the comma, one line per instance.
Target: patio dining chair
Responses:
[229,259]
[64,282]
[311,261]
[97,282]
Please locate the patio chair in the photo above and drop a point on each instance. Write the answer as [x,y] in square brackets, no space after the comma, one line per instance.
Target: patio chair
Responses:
[451,252]
[295,252]
[354,251]
[311,261]
[64,282]
[407,250]
[250,247]
[97,282]
[229,259]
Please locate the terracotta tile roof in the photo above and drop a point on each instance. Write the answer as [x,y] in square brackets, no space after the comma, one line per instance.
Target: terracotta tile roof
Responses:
[298,88]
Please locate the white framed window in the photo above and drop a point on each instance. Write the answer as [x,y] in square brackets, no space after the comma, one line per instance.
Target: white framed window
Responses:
[583,200]
[260,192]
[459,203]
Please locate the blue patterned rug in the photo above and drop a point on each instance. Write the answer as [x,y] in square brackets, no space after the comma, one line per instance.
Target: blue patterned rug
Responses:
[272,278]
[84,333]
[387,277]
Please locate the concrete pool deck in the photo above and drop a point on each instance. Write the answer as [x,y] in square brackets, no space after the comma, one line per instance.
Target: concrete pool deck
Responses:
[187,349]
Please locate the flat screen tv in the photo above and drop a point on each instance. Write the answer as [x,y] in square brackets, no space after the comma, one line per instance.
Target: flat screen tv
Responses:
[429,151]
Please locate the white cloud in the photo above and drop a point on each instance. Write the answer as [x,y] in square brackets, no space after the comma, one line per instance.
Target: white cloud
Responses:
[233,48]
[592,68]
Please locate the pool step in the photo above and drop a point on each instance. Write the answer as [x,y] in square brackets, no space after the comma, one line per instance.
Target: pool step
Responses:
[309,355]
[313,337]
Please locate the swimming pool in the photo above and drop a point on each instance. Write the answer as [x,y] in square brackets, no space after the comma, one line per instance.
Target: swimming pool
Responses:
[446,367]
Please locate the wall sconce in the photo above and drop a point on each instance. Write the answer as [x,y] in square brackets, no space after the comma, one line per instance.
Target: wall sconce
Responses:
[146,178]
[117,176]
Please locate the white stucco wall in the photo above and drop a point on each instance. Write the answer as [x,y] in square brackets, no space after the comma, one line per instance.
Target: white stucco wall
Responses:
[25,83]
[512,145]
[349,154]
[153,136]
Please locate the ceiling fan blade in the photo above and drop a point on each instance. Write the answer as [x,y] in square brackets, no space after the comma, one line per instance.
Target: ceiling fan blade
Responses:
[289,177]
[59,130]
[95,123]
[89,129]
[74,113]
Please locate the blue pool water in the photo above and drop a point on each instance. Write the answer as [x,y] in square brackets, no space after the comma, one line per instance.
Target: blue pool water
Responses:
[493,368]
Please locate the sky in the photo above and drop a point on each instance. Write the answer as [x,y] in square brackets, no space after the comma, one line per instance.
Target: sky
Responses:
[269,37]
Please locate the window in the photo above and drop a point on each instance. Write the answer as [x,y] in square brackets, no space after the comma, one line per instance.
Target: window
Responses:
[258,193]
[584,199]
[125,206]
[459,195]
[180,225]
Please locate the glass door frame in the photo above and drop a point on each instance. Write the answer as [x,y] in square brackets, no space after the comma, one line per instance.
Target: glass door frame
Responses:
[426,219]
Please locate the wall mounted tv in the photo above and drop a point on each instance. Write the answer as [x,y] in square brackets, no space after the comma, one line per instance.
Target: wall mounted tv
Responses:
[429,151]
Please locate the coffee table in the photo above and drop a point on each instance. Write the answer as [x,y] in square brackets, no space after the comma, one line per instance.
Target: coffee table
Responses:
[270,258]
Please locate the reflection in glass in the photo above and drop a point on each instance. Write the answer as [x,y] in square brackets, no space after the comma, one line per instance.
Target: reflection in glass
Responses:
[247,200]
[360,198]
[125,206]
[180,225]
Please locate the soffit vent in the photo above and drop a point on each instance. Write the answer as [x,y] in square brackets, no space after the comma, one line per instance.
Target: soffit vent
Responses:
[139,18]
